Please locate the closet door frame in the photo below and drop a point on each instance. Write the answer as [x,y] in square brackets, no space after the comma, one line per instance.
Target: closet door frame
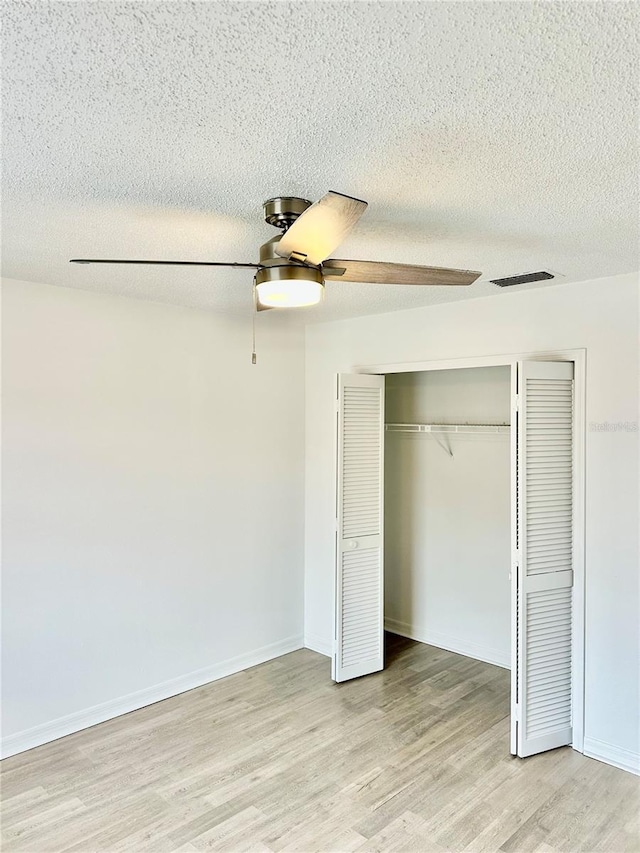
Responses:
[579,359]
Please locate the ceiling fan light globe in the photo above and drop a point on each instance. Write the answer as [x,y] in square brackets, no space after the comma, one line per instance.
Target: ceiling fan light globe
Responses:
[291,293]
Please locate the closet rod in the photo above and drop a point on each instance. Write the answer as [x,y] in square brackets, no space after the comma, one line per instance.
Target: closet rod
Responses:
[449,428]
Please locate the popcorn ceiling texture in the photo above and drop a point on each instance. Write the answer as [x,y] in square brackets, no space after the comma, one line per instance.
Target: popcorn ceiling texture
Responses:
[492,136]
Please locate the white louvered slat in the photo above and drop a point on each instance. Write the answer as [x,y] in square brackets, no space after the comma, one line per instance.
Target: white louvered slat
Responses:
[545,508]
[548,686]
[359,603]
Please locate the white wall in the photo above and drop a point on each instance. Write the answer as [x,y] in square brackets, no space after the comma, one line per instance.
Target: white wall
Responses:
[448,518]
[153,492]
[601,316]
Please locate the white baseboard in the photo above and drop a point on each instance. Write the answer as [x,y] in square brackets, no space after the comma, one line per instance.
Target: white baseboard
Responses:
[318,644]
[450,644]
[614,755]
[46,732]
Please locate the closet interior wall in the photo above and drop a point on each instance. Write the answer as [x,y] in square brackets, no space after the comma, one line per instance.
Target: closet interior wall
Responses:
[447,517]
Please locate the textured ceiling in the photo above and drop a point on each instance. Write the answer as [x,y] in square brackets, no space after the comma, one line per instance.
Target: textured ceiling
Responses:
[492,136]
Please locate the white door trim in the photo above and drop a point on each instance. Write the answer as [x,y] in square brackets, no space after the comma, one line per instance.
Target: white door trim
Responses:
[579,358]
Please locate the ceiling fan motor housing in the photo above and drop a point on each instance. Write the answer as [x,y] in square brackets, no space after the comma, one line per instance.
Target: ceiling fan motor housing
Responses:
[281,281]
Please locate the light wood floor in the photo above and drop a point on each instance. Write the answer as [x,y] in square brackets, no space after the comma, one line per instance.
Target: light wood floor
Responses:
[279,758]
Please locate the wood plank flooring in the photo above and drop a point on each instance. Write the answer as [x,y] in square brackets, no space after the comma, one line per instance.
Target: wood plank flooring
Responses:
[278,758]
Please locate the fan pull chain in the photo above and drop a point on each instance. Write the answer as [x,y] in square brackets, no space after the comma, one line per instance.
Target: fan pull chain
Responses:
[254,357]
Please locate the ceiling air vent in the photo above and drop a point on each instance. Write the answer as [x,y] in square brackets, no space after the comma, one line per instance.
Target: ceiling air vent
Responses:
[525,278]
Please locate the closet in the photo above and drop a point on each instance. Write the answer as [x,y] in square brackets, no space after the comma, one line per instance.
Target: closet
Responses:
[447,517]
[481,537]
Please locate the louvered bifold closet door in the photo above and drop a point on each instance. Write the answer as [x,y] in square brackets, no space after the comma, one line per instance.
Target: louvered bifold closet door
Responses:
[544,544]
[359,614]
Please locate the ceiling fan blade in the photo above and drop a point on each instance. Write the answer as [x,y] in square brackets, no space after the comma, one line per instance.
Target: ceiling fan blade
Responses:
[321,228]
[164,263]
[380,272]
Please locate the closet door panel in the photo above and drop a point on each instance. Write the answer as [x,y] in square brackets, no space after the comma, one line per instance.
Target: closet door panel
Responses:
[359,518]
[543,570]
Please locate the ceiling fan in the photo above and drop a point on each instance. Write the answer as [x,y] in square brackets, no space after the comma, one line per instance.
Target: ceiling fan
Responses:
[293,265]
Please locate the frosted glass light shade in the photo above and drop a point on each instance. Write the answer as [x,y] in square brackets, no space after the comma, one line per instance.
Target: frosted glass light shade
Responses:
[290,294]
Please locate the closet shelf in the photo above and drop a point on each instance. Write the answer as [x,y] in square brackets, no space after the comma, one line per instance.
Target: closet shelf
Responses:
[450,428]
